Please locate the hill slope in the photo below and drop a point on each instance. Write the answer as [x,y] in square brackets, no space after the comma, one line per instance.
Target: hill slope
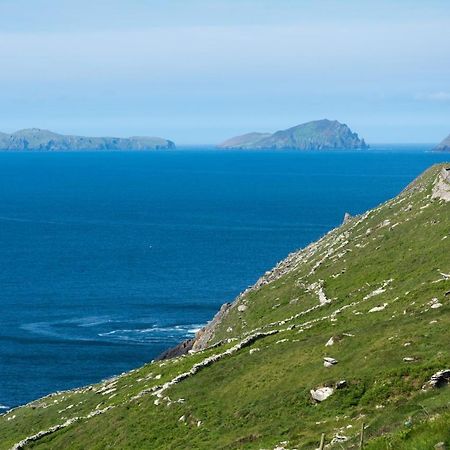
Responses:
[362,314]
[44,140]
[316,135]
[444,146]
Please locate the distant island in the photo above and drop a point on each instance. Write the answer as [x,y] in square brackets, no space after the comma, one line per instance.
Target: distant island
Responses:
[316,135]
[444,146]
[43,140]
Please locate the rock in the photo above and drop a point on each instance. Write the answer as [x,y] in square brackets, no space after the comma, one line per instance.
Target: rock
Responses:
[409,359]
[347,218]
[181,349]
[378,308]
[339,438]
[182,419]
[440,446]
[328,362]
[330,342]
[254,350]
[321,394]
[242,308]
[438,380]
[341,384]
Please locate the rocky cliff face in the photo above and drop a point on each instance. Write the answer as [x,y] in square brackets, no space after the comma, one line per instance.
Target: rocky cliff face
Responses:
[316,135]
[36,139]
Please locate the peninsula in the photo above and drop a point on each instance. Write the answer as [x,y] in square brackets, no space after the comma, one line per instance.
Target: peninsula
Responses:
[343,341]
[35,139]
[316,135]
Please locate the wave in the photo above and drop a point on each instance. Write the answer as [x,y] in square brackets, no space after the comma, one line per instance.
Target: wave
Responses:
[155,334]
[100,329]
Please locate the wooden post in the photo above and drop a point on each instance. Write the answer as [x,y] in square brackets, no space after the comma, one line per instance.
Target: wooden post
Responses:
[322,441]
[361,439]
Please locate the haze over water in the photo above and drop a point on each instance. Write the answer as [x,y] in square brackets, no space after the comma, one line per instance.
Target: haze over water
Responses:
[108,259]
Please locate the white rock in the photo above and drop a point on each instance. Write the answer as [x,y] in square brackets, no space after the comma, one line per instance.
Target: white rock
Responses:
[330,342]
[328,362]
[436,305]
[321,394]
[378,308]
[242,308]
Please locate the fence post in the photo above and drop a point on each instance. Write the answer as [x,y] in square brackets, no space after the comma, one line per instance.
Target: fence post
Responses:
[361,439]
[322,442]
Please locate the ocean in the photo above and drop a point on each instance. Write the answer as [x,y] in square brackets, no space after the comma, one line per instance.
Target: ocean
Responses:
[107,259]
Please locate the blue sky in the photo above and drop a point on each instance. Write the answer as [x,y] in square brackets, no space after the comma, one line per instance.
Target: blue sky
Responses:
[199,71]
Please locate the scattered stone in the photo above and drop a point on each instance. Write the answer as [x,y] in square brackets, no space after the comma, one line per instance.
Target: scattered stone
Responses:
[440,446]
[439,379]
[242,308]
[254,350]
[328,362]
[339,438]
[330,342]
[341,384]
[321,394]
[182,419]
[378,308]
[408,359]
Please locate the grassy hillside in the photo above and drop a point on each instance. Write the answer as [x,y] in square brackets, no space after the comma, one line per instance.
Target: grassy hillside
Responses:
[374,295]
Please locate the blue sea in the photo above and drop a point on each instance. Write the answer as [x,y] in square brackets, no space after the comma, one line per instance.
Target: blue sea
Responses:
[107,259]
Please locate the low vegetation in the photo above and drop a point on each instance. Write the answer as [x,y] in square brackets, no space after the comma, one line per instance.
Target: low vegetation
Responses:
[372,297]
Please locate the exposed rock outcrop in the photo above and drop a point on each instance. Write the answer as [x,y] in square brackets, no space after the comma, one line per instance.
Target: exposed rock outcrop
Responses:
[441,188]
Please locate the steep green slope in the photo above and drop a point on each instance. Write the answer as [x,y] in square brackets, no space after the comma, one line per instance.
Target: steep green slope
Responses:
[372,295]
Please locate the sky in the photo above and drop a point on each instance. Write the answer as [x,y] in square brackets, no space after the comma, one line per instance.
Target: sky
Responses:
[201,71]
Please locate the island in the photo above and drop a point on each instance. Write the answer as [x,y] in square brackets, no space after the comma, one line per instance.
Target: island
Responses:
[315,135]
[444,146]
[35,139]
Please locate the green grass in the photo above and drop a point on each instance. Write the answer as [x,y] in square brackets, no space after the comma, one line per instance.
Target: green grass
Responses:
[258,397]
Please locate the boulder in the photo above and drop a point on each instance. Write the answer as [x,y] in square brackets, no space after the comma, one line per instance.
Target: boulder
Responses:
[321,394]
[438,380]
[328,362]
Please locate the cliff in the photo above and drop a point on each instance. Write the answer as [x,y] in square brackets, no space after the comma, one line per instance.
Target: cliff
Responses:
[36,139]
[316,135]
